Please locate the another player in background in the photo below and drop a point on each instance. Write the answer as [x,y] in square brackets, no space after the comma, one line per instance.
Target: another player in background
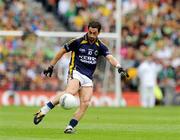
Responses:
[84,54]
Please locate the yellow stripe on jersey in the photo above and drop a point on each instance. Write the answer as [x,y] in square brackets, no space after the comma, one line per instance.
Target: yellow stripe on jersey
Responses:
[72,63]
[84,42]
[97,43]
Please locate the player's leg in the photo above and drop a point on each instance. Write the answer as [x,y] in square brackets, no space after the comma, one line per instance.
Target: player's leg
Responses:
[85,95]
[72,88]
[85,98]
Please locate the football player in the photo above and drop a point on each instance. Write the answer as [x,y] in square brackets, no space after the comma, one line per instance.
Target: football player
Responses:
[84,54]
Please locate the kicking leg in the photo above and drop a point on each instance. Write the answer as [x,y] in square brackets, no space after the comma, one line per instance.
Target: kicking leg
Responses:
[85,95]
[72,88]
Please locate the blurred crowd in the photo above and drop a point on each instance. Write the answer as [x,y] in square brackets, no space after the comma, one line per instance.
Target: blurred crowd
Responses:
[153,28]
[148,27]
[18,15]
[18,68]
[76,14]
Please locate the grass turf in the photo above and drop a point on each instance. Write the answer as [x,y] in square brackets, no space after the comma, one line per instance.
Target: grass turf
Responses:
[160,123]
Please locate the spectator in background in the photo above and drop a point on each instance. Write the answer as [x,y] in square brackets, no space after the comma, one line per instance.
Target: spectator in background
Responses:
[167,82]
[147,72]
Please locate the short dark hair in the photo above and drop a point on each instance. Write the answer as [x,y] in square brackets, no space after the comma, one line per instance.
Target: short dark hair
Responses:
[95,24]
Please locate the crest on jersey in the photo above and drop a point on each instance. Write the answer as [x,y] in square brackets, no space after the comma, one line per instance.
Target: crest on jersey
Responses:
[96,52]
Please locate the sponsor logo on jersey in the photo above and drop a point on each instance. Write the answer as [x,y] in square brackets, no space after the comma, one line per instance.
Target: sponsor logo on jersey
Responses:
[87,59]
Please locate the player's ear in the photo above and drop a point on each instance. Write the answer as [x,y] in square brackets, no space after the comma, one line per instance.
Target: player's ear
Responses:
[99,32]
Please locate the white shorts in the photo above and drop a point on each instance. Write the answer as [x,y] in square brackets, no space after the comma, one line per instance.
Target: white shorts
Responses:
[83,79]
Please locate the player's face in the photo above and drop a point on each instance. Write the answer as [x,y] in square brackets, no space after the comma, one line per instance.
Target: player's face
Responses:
[92,34]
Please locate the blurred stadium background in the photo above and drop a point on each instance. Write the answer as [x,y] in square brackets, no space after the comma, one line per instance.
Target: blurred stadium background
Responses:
[32,31]
[146,27]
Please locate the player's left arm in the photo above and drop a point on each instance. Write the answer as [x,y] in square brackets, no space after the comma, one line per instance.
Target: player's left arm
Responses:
[114,62]
[104,51]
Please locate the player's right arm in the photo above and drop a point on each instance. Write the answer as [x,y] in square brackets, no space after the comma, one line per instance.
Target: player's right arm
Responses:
[49,70]
[58,56]
[69,46]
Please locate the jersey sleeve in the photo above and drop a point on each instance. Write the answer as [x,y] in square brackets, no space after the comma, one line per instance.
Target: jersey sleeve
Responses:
[71,45]
[104,51]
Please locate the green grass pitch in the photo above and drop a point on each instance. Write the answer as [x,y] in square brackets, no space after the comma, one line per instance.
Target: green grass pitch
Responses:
[160,123]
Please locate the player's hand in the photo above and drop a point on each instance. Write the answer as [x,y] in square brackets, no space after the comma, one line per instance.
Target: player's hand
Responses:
[48,71]
[124,73]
